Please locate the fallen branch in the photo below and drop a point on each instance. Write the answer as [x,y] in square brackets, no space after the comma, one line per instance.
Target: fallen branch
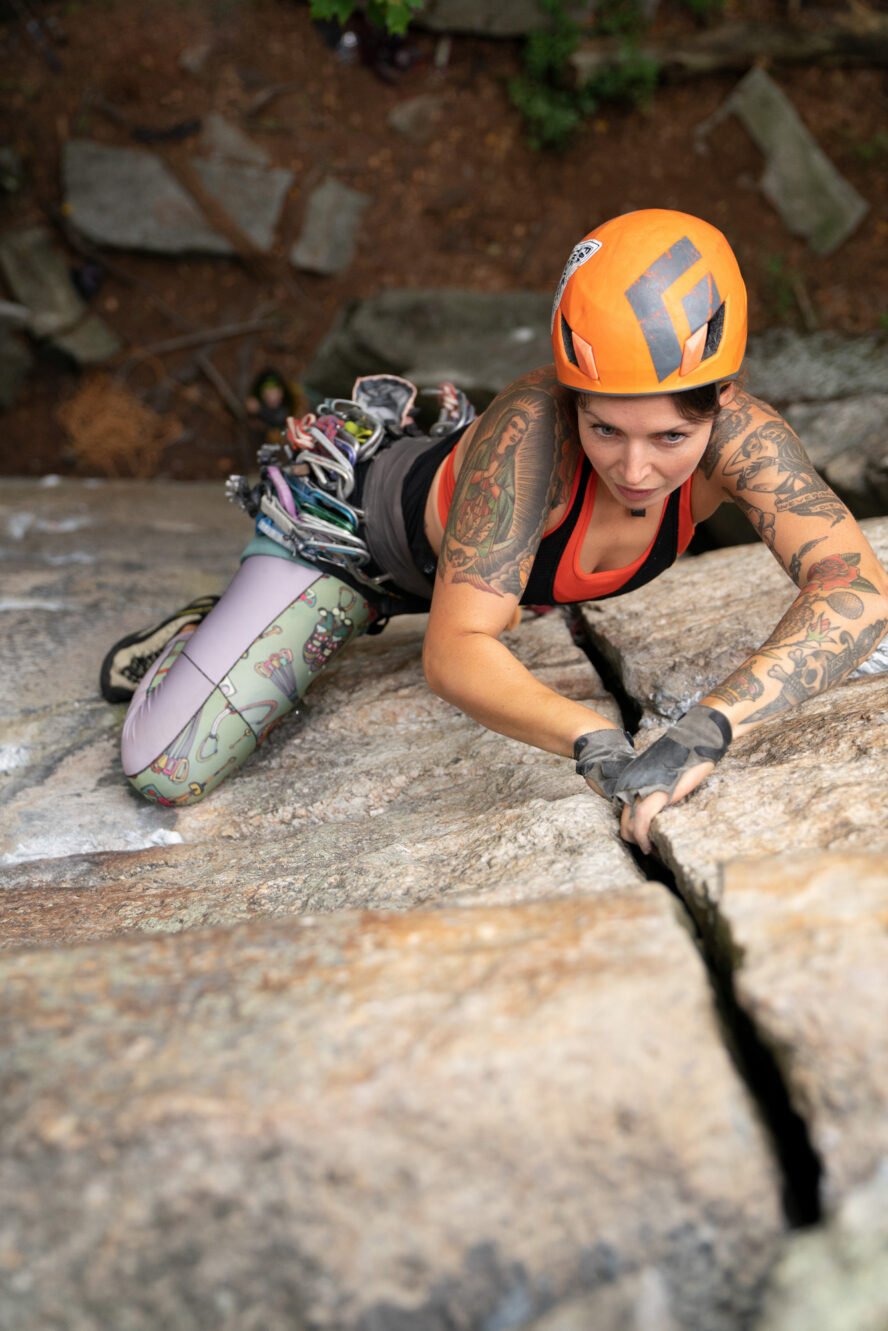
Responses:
[207,337]
[267,96]
[858,38]
[222,387]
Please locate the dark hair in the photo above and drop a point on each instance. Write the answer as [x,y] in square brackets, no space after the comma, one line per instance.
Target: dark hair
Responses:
[699,404]
[693,404]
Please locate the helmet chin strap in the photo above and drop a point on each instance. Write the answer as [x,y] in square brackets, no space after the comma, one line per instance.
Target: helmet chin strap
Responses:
[637,512]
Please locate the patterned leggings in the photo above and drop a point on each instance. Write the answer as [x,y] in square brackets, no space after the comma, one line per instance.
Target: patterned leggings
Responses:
[216,691]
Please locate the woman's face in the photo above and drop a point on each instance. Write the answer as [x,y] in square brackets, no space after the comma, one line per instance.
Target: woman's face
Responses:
[641,447]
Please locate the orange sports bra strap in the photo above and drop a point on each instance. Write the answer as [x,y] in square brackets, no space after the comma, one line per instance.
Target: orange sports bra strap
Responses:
[685,517]
[447,485]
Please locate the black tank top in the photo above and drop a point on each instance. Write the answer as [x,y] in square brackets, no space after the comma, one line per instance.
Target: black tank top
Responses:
[540,589]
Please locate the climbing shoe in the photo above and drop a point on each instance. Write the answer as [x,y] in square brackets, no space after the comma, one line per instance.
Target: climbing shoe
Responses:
[129,660]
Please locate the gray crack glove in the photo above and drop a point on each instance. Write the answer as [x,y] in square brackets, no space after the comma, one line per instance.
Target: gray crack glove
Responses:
[602,755]
[701,736]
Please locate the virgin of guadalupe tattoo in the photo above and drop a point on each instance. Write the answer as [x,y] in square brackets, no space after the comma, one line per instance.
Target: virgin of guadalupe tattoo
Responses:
[484,519]
[505,489]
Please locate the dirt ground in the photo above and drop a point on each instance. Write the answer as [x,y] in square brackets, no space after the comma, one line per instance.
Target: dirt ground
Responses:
[473,207]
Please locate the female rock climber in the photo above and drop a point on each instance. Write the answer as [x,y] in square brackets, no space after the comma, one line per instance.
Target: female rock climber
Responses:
[582,480]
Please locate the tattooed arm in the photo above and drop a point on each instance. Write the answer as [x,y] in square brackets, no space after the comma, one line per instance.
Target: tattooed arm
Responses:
[517,468]
[841,612]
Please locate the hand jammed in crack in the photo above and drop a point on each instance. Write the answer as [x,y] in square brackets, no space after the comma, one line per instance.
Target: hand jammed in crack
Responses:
[669,769]
[742,451]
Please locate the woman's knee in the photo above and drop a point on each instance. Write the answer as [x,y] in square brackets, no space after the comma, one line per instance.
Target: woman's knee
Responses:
[214,699]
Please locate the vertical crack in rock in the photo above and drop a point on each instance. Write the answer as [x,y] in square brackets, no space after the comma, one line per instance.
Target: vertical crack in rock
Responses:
[752,1056]
[630,709]
[799,1163]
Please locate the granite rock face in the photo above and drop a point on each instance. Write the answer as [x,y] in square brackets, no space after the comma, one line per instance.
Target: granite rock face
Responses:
[780,855]
[814,779]
[392,1033]
[809,952]
[372,1121]
[385,796]
[833,1279]
[74,558]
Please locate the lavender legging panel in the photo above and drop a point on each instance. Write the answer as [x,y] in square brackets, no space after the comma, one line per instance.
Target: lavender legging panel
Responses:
[262,588]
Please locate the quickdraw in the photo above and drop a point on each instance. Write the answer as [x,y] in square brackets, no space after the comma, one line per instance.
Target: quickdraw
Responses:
[306,481]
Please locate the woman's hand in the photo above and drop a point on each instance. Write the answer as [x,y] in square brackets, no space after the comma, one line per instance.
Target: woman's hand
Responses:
[669,769]
[636,819]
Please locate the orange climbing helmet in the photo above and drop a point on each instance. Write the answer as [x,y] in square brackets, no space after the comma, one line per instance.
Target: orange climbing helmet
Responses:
[650,302]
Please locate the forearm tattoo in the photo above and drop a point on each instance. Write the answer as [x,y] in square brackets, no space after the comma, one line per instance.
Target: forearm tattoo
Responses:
[515,471]
[815,645]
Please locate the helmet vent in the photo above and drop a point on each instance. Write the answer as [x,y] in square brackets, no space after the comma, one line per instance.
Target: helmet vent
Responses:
[714,332]
[567,338]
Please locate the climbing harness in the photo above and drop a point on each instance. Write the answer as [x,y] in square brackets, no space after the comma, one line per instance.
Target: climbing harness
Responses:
[306,481]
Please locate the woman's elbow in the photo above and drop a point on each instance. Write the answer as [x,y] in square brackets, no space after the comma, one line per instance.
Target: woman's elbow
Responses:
[434,666]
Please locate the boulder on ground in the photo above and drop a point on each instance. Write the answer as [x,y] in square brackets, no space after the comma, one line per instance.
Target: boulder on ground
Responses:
[37,273]
[812,198]
[223,139]
[479,341]
[785,367]
[492,18]
[330,228]
[485,340]
[128,198]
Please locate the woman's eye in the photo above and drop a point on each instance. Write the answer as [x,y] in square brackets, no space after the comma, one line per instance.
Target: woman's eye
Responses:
[673,437]
[604,431]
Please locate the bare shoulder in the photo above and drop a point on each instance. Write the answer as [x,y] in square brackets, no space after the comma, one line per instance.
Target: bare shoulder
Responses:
[546,411]
[536,391]
[757,461]
[510,477]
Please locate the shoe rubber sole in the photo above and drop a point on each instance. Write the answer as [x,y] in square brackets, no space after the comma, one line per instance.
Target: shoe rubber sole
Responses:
[130,659]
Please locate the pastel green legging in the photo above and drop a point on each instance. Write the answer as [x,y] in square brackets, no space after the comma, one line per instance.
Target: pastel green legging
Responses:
[215,692]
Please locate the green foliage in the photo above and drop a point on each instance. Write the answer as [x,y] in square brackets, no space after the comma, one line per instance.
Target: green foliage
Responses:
[547,51]
[619,18]
[551,107]
[632,80]
[393,15]
[872,150]
[550,114]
